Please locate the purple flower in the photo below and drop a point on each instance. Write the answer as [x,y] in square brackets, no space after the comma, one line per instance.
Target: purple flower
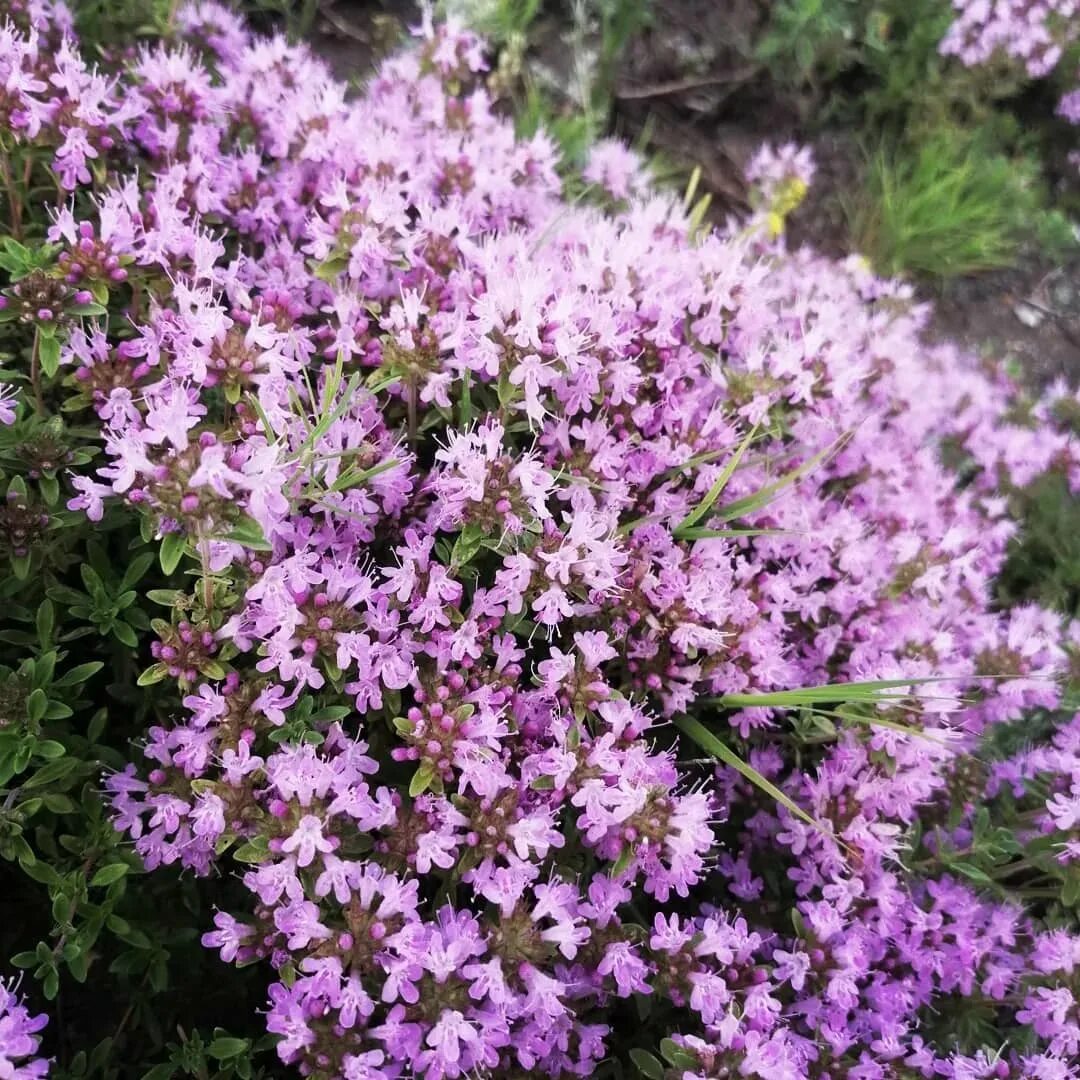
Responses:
[19,1038]
[9,403]
[479,474]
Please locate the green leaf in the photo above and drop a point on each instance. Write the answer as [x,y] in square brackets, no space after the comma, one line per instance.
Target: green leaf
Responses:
[15,258]
[45,622]
[50,489]
[87,309]
[972,873]
[267,427]
[79,674]
[173,546]
[222,1048]
[40,872]
[44,667]
[49,774]
[352,478]
[646,1064]
[93,581]
[60,804]
[329,713]
[128,933]
[62,594]
[330,269]
[36,705]
[1070,890]
[873,720]
[79,965]
[676,1056]
[422,779]
[164,597]
[153,674]
[108,874]
[136,570]
[254,851]
[49,354]
[248,533]
[622,863]
[467,545]
[97,726]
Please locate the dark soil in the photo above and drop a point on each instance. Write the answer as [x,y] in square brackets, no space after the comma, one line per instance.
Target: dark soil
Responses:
[352,35]
[1030,315]
[688,82]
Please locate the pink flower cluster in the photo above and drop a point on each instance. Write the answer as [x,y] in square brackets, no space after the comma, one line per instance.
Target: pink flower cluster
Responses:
[19,1038]
[482,491]
[772,167]
[1033,34]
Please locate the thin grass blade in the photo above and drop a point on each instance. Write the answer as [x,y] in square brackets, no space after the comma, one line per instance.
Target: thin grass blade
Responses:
[697,731]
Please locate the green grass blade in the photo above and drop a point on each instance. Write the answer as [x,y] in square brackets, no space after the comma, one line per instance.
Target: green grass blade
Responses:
[697,459]
[714,534]
[268,429]
[697,731]
[719,484]
[880,721]
[829,693]
[352,479]
[325,422]
[755,501]
[691,188]
[465,407]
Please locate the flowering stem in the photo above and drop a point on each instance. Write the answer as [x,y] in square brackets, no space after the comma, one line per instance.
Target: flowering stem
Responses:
[410,405]
[130,1011]
[35,374]
[1014,867]
[200,1072]
[204,559]
[14,202]
[73,906]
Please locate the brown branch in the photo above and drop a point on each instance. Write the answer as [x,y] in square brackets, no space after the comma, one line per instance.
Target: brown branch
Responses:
[679,86]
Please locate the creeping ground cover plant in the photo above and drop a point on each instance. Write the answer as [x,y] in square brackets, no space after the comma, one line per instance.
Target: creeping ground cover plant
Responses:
[571,638]
[1039,39]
